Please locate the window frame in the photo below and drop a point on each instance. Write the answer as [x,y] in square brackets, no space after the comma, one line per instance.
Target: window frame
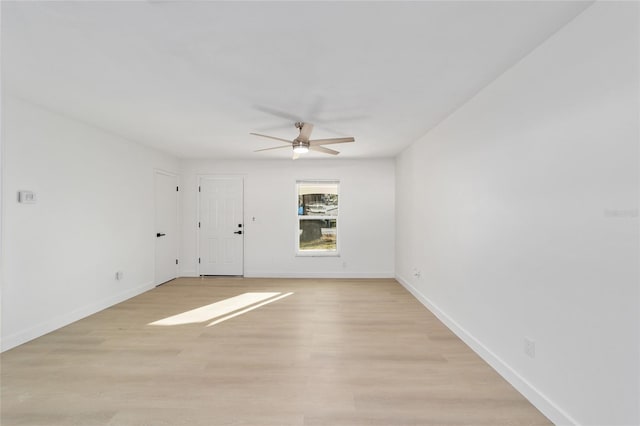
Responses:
[316,253]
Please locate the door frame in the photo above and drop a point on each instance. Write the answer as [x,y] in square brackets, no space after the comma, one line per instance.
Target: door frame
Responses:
[155,213]
[199,178]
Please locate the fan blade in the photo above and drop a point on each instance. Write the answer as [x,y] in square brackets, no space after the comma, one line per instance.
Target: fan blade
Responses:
[323,149]
[271,137]
[330,141]
[340,118]
[277,113]
[275,147]
[305,132]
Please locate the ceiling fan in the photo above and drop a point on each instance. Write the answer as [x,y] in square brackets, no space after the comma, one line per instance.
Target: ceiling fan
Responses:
[303,144]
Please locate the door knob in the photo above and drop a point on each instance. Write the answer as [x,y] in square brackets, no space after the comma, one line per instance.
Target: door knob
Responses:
[238,232]
[160,235]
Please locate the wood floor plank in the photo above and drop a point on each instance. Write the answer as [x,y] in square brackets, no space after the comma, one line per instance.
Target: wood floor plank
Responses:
[335,352]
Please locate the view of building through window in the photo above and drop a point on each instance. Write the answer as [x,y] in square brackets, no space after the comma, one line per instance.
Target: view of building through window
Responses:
[318,216]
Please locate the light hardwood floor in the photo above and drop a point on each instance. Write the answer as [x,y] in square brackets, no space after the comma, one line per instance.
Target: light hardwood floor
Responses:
[335,352]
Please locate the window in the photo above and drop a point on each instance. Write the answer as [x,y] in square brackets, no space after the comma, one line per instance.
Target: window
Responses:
[317,218]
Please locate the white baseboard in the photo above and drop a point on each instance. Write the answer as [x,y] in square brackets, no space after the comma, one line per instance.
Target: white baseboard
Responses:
[334,275]
[16,339]
[537,398]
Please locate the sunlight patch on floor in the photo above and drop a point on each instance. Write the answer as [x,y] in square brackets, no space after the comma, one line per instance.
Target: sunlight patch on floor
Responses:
[243,303]
[244,311]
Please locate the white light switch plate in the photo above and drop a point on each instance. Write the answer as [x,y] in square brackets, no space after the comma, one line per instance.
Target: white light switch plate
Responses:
[26,197]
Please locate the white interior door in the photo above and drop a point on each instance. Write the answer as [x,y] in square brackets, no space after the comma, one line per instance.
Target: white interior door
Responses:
[221,232]
[166,227]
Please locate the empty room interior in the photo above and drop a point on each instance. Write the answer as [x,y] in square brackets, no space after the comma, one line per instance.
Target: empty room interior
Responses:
[320,213]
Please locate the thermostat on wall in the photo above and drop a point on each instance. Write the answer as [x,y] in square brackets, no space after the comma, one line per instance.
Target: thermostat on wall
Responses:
[27,197]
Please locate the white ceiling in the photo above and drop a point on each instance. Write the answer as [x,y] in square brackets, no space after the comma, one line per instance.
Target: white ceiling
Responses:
[194,78]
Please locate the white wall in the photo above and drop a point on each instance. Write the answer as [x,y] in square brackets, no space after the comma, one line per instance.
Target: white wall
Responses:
[520,211]
[94,216]
[366,216]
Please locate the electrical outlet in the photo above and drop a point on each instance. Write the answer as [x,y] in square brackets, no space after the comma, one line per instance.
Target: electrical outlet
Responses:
[416,273]
[119,275]
[529,347]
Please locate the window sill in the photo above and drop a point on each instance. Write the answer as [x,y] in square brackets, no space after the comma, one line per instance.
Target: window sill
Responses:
[311,253]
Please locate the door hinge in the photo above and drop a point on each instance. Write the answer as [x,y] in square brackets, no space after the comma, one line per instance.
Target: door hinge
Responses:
[176,261]
[198,224]
[199,189]
[198,260]
[177,188]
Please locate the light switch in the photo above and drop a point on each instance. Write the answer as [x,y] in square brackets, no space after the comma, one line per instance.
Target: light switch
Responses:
[26,197]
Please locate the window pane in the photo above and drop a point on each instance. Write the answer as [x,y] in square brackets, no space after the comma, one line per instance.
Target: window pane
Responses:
[318,234]
[318,204]
[317,216]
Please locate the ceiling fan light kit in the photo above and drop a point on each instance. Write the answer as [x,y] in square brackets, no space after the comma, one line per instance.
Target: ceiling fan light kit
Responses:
[302,144]
[300,147]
